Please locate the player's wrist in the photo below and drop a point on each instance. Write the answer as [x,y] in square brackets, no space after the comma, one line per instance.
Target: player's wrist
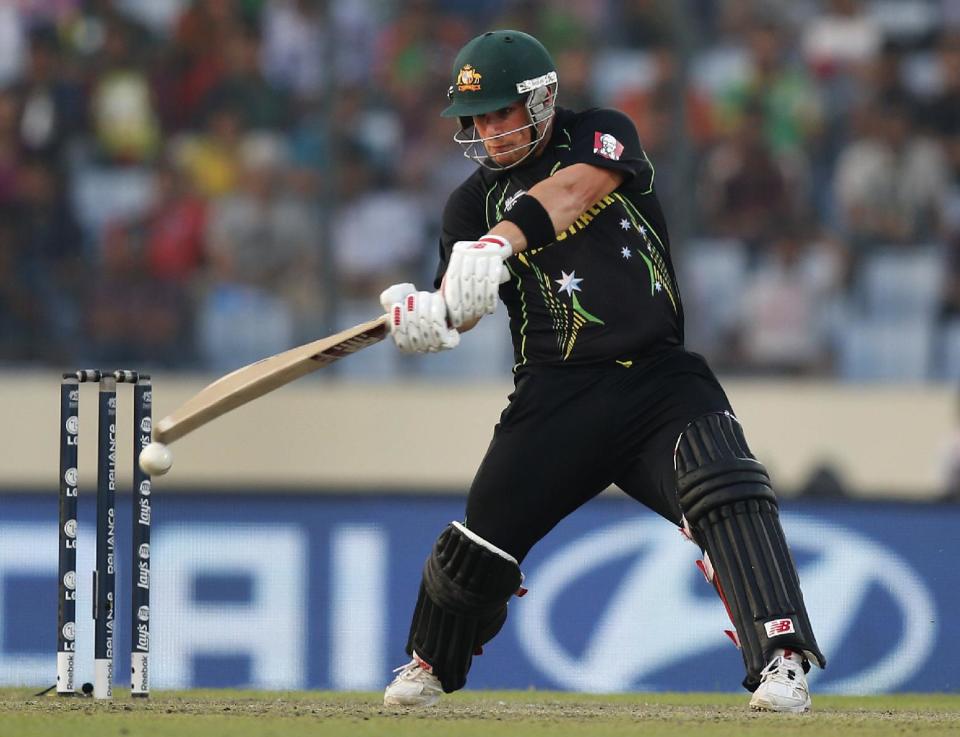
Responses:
[498,240]
[532,219]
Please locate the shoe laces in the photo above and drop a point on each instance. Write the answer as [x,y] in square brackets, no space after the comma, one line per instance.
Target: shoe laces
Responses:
[410,671]
[784,671]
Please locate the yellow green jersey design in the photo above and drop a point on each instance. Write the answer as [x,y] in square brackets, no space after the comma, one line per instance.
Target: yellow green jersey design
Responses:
[603,292]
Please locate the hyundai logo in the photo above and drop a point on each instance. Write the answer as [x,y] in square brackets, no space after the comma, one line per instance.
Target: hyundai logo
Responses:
[658,615]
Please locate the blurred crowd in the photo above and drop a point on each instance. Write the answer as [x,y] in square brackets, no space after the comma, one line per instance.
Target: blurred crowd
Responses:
[195,184]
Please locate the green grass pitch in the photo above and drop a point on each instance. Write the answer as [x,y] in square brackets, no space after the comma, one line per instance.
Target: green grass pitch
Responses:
[466,714]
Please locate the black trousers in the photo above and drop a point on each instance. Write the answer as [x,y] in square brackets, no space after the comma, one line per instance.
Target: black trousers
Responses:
[568,433]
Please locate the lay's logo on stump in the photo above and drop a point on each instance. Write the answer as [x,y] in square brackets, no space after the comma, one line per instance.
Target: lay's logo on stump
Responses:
[468,80]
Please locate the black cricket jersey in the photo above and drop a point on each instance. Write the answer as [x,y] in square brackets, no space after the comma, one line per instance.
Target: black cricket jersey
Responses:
[604,290]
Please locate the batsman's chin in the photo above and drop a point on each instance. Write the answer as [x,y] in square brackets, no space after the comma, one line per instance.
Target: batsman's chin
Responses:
[504,155]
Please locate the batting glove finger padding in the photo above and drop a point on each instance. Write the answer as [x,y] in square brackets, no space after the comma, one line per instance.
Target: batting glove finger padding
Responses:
[418,320]
[394,294]
[474,275]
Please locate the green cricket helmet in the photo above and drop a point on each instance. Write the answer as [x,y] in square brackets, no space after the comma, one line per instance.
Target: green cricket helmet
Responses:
[493,71]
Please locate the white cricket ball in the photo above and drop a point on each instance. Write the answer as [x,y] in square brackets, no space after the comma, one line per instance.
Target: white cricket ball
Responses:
[156,459]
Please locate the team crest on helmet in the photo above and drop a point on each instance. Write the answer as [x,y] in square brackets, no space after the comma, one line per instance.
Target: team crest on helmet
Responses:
[468,79]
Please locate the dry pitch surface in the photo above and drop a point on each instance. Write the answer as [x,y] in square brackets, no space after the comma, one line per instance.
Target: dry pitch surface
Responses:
[467,714]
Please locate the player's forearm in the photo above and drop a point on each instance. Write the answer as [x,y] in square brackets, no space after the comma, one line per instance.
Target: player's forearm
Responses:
[565,196]
[549,207]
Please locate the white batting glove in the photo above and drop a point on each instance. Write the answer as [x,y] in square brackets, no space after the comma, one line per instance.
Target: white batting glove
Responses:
[418,320]
[472,283]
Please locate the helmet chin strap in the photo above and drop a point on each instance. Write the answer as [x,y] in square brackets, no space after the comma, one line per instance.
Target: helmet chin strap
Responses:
[540,111]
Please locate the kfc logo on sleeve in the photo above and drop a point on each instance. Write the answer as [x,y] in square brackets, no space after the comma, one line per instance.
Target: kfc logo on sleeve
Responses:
[607,146]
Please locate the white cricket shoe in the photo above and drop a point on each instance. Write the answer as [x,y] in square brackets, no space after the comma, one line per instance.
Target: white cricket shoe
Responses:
[783,687]
[414,685]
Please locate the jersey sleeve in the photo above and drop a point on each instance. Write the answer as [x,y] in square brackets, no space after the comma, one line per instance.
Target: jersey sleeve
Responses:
[463,220]
[608,139]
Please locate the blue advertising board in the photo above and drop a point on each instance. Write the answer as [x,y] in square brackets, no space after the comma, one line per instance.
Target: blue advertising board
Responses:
[315,591]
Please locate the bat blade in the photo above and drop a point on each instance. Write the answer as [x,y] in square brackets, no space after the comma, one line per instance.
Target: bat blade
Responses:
[262,377]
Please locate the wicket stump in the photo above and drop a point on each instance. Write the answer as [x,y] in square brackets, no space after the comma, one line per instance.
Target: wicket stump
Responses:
[104,579]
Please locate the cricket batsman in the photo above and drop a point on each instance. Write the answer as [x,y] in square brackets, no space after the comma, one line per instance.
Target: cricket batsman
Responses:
[561,221]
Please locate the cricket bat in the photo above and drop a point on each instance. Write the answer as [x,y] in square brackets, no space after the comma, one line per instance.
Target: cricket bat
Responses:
[256,379]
